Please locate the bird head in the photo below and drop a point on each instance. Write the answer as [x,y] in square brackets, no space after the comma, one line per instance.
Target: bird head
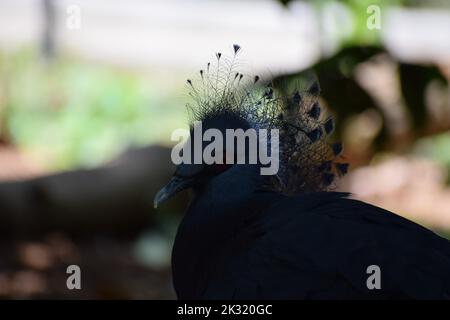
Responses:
[196,174]
[225,99]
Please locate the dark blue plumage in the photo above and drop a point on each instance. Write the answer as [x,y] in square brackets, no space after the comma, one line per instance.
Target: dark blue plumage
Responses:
[315,246]
[248,236]
[314,112]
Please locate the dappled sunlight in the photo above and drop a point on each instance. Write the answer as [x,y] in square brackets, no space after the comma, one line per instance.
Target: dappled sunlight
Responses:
[410,186]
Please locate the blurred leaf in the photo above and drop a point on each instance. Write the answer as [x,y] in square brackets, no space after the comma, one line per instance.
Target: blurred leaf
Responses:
[436,147]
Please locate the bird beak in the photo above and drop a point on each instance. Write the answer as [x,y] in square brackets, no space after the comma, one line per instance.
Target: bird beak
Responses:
[175,185]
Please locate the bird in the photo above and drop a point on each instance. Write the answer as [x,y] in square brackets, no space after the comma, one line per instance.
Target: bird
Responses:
[290,235]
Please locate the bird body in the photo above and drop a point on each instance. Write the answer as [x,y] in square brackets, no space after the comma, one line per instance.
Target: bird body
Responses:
[249,236]
[264,245]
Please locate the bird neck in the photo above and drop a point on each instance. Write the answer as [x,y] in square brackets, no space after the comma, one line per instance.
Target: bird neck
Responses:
[230,187]
[214,215]
[214,210]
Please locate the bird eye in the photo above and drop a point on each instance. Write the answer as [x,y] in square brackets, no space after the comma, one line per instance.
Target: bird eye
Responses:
[217,168]
[221,166]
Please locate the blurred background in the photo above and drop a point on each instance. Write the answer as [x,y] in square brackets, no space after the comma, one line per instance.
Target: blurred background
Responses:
[90,92]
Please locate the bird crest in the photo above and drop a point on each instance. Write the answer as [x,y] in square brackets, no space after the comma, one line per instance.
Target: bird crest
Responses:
[308,162]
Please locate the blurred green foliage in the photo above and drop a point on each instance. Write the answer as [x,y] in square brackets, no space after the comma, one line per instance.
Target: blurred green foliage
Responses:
[81,114]
[436,147]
